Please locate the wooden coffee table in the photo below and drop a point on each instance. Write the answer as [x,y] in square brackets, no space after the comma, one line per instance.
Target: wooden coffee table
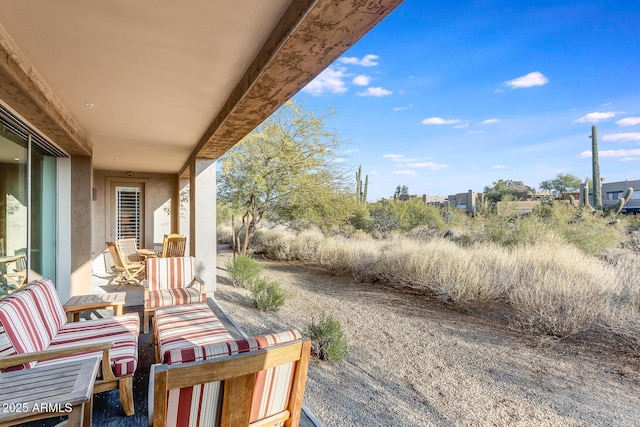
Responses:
[80,303]
[49,391]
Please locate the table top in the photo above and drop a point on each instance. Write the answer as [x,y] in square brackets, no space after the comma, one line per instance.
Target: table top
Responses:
[146,252]
[46,388]
[113,298]
[11,258]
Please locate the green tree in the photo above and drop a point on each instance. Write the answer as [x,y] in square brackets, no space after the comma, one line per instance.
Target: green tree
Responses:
[499,190]
[285,168]
[563,183]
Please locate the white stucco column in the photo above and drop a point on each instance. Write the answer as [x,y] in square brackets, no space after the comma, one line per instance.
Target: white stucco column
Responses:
[202,224]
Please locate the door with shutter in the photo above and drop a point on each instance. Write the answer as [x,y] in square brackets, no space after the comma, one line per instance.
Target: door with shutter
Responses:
[126,205]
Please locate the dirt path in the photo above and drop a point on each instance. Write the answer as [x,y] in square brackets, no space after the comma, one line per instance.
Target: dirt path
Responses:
[413,362]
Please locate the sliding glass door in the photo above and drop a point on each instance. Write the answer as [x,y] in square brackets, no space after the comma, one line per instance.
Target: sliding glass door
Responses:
[28,182]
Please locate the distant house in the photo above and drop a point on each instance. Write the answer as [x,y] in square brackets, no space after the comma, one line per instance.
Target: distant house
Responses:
[612,191]
[426,198]
[467,201]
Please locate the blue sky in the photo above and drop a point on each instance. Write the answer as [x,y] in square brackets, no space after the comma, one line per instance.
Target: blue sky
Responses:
[449,96]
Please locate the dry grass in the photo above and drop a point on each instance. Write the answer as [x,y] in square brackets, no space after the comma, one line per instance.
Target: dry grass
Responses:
[554,287]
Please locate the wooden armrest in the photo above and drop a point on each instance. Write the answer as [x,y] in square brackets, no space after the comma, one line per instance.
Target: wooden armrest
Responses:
[19,359]
[200,282]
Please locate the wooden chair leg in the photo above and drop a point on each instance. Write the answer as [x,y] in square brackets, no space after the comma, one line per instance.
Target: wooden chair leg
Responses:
[146,322]
[126,394]
[88,413]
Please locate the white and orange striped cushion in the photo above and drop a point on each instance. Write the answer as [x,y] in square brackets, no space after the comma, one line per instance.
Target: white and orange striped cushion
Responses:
[22,328]
[174,296]
[188,325]
[200,405]
[123,355]
[33,319]
[49,305]
[273,386]
[166,273]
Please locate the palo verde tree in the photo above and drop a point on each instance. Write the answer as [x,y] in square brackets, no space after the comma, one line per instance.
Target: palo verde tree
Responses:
[286,169]
[563,183]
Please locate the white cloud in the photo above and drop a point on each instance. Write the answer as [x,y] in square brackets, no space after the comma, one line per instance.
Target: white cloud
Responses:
[466,125]
[439,121]
[616,137]
[351,151]
[499,166]
[361,80]
[404,172]
[489,121]
[375,91]
[406,107]
[595,117]
[366,61]
[628,159]
[629,121]
[339,160]
[613,153]
[393,156]
[331,80]
[530,80]
[428,165]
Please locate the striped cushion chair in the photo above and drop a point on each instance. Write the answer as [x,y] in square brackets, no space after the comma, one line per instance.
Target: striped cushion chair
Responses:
[257,381]
[171,281]
[34,330]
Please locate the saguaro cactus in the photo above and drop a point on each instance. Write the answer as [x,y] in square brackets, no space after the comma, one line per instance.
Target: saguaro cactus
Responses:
[361,194]
[597,183]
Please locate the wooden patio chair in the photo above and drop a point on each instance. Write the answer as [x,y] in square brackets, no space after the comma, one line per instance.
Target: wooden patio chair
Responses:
[173,245]
[128,272]
[171,281]
[129,250]
[258,381]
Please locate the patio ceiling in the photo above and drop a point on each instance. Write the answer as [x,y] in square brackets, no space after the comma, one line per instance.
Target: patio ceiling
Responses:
[148,85]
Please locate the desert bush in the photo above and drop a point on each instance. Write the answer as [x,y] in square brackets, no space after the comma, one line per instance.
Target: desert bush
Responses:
[276,244]
[350,257]
[328,342]
[223,234]
[306,244]
[560,290]
[268,295]
[382,223]
[243,270]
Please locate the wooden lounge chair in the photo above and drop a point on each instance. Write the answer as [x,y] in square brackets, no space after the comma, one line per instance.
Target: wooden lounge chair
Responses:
[173,245]
[171,281]
[258,381]
[128,272]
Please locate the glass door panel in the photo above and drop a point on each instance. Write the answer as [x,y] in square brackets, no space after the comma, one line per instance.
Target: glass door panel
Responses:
[13,206]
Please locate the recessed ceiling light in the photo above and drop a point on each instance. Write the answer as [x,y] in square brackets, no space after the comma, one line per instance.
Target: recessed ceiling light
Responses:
[17,159]
[89,105]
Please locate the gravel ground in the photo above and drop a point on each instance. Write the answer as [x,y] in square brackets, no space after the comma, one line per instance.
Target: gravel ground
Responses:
[414,362]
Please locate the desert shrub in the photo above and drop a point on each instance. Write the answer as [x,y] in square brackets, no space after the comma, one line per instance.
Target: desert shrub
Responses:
[268,295]
[382,223]
[349,257]
[560,290]
[424,233]
[276,244]
[223,234]
[243,270]
[328,342]
[306,244]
